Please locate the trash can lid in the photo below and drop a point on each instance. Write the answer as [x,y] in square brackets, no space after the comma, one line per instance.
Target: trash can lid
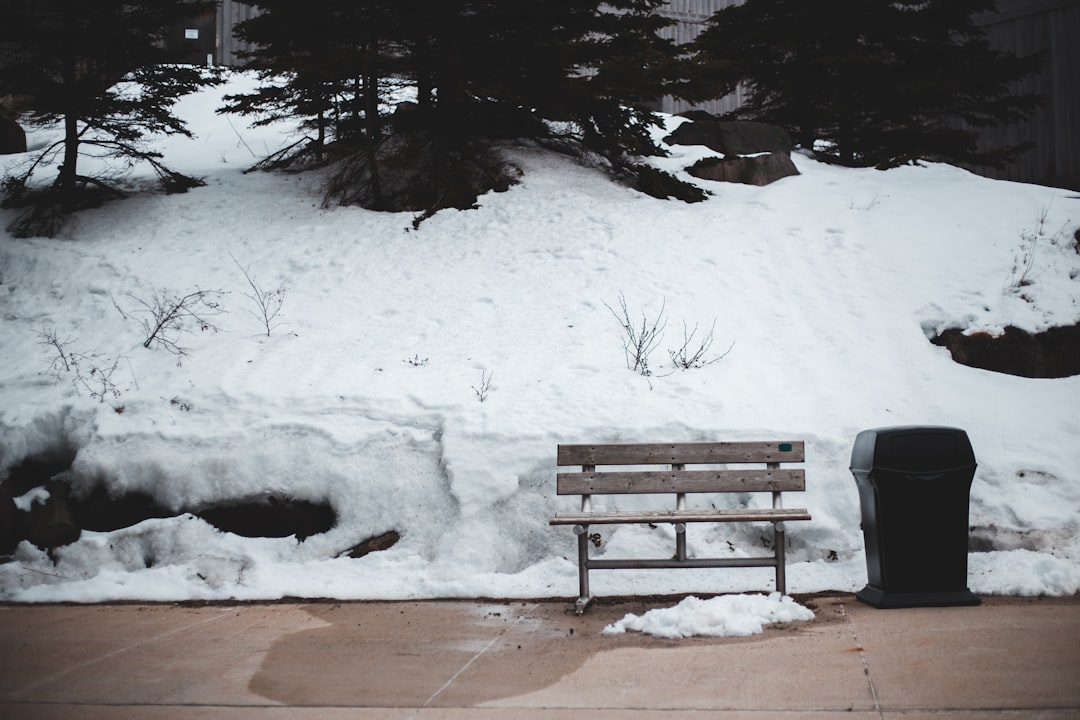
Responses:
[912,448]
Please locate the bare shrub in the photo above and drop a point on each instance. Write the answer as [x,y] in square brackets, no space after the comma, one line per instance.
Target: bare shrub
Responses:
[688,356]
[485,385]
[268,301]
[639,340]
[89,373]
[1024,260]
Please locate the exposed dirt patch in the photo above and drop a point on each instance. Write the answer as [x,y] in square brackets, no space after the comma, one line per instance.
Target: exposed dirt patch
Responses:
[272,517]
[57,516]
[1051,354]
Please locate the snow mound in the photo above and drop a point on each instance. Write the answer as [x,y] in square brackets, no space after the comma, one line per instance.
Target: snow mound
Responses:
[724,616]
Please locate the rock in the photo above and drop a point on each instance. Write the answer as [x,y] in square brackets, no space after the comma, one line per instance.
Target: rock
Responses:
[12,137]
[731,137]
[374,544]
[753,170]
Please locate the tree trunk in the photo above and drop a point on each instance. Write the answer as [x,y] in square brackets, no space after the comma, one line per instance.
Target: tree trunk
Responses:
[451,78]
[372,124]
[424,72]
[320,139]
[844,140]
[66,181]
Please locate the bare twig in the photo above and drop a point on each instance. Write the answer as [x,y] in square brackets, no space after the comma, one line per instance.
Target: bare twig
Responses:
[167,317]
[117,306]
[90,373]
[98,381]
[64,358]
[240,138]
[485,385]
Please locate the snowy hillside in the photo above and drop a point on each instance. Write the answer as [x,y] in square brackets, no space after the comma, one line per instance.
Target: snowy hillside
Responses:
[419,381]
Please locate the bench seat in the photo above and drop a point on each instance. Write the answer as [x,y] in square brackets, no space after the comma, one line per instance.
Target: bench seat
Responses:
[681,516]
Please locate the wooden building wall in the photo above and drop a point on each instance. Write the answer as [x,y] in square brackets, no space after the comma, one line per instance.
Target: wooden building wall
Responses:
[690,17]
[1022,27]
[229,13]
[1050,27]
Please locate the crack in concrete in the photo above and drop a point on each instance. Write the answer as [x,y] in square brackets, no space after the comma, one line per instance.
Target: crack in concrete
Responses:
[476,657]
[866,665]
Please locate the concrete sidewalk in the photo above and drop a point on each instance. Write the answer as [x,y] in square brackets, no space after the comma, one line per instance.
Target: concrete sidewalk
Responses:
[1008,658]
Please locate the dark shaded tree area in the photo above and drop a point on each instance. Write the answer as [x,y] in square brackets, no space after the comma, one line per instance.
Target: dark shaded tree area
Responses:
[408,101]
[871,82]
[481,71]
[100,69]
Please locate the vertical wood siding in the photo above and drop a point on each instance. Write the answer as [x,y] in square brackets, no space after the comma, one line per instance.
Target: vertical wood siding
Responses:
[690,17]
[1052,28]
[230,13]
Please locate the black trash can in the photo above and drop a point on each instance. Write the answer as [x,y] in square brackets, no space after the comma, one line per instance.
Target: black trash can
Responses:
[914,485]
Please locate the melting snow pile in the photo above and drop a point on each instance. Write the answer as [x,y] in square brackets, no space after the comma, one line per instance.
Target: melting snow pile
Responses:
[725,616]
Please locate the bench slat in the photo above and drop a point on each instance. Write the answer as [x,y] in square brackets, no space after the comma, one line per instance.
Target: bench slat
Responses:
[682,516]
[679,481]
[682,453]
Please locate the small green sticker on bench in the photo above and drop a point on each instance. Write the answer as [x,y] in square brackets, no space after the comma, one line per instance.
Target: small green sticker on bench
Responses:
[785,447]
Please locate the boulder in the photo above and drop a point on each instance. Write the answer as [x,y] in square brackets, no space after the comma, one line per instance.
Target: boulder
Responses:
[752,170]
[373,544]
[12,137]
[731,137]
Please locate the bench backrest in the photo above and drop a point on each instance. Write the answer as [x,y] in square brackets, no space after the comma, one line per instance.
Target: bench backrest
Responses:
[678,479]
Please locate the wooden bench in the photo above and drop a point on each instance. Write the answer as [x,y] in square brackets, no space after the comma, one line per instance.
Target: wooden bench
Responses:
[630,471]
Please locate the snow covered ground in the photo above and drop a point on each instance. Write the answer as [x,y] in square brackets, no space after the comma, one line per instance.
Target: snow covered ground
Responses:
[369,392]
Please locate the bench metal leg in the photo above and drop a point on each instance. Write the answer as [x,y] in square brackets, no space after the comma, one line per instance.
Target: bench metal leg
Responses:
[778,544]
[582,532]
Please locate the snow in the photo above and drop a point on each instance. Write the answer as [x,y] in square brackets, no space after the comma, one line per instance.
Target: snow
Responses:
[725,616]
[366,393]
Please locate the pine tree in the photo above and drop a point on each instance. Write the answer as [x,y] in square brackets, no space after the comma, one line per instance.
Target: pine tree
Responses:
[482,70]
[100,68]
[600,65]
[868,82]
[634,69]
[312,65]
